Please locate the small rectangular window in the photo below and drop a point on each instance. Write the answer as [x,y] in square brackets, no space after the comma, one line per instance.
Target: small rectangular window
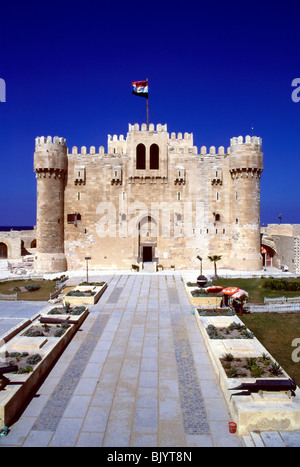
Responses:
[71,218]
[179,196]
[78,196]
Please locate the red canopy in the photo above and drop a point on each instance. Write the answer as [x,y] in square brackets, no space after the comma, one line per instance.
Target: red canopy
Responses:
[230,290]
[214,289]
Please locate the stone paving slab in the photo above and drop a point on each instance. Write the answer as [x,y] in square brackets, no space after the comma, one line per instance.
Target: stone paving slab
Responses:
[137,374]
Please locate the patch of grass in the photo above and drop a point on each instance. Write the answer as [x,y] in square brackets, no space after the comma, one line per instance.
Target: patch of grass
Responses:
[42,294]
[256,290]
[276,331]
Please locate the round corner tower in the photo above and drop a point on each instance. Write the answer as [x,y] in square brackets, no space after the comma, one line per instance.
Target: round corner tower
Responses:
[246,166]
[50,166]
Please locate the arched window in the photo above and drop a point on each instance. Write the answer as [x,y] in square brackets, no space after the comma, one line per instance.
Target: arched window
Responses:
[154,157]
[3,250]
[140,156]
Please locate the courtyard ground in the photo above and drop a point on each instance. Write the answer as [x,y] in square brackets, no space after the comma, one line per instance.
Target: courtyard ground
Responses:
[137,374]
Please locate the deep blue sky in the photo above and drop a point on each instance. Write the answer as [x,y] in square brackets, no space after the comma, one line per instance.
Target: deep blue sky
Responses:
[214,67]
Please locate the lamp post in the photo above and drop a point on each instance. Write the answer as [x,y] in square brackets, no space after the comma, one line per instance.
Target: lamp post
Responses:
[201,280]
[87,268]
[200,259]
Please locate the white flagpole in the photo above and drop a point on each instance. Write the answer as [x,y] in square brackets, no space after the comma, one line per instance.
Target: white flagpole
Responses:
[147,108]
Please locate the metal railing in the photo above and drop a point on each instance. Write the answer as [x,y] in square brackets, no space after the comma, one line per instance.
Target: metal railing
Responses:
[274,307]
[281,300]
[8,297]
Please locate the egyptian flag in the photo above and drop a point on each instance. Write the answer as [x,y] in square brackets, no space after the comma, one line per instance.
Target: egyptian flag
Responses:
[140,88]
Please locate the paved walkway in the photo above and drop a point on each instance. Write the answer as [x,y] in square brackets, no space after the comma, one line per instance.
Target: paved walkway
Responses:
[136,374]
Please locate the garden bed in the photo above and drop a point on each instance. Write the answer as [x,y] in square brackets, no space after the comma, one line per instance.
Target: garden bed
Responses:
[67,310]
[263,411]
[85,294]
[25,361]
[46,330]
[233,331]
[41,344]
[216,312]
[250,367]
[198,297]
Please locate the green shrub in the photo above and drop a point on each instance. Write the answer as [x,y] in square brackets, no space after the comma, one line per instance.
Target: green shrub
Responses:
[275,369]
[56,311]
[94,284]
[26,369]
[250,361]
[81,293]
[211,331]
[233,373]
[33,333]
[32,287]
[228,357]
[16,354]
[59,332]
[281,284]
[256,371]
[247,334]
[34,359]
[77,310]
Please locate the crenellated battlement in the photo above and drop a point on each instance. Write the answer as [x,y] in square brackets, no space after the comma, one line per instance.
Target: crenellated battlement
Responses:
[213,152]
[136,127]
[115,138]
[83,151]
[254,141]
[42,140]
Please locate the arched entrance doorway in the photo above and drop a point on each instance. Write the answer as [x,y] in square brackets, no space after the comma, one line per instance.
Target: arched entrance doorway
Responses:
[3,250]
[147,239]
[267,254]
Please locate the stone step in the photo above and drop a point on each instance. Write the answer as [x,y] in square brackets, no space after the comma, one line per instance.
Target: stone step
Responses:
[271,439]
[149,267]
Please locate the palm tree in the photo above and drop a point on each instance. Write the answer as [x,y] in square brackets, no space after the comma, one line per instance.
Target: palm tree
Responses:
[214,259]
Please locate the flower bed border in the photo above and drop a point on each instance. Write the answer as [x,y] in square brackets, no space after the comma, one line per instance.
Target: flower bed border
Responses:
[269,411]
[207,301]
[91,300]
[14,396]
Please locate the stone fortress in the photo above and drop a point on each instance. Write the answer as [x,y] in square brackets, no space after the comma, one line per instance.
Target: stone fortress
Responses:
[153,198]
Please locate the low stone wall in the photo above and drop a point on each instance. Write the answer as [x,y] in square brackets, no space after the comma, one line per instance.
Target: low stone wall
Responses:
[262,412]
[85,300]
[14,396]
[208,301]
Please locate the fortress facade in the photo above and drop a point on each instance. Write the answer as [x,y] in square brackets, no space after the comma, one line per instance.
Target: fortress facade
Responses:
[152,198]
